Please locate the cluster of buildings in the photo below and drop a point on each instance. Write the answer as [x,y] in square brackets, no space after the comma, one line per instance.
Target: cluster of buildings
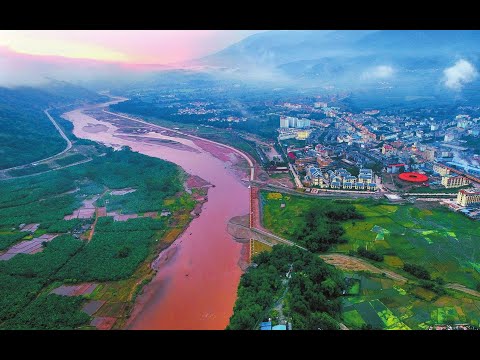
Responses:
[469,201]
[398,141]
[293,122]
[450,180]
[292,133]
[206,108]
[308,155]
[468,197]
[294,128]
[340,179]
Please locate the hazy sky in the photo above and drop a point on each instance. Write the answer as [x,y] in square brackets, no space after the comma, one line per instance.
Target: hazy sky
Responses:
[127,46]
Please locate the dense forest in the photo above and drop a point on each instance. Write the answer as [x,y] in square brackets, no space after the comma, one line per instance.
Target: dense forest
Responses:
[24,275]
[115,251]
[321,226]
[26,133]
[313,296]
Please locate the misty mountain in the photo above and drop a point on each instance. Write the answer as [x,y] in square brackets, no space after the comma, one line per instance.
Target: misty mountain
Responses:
[408,61]
[281,47]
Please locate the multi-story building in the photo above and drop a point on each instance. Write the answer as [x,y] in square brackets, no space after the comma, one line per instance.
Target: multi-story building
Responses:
[292,121]
[442,170]
[453,181]
[283,121]
[302,123]
[365,176]
[348,185]
[359,186]
[468,197]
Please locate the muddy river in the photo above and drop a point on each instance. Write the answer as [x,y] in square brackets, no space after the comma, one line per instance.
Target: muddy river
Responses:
[196,283]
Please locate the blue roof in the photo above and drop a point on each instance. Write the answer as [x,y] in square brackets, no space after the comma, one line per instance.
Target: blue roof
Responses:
[280,327]
[267,325]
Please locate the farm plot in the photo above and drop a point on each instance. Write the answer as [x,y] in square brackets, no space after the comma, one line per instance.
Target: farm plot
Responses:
[386,304]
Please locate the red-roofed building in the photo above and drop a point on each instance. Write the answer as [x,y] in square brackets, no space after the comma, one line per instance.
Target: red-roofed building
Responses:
[387,149]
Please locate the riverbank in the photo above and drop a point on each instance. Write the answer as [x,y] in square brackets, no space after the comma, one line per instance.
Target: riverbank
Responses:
[162,253]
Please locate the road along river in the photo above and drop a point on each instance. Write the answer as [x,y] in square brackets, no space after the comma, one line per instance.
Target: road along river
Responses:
[196,283]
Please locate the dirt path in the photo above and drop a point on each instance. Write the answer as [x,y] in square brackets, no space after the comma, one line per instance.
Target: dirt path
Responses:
[350,263]
[93,226]
[463,288]
[96,218]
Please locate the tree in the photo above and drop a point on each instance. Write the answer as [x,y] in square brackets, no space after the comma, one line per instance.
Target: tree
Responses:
[322,321]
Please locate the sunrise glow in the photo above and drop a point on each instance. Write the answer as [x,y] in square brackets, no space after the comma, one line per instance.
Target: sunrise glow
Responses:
[140,47]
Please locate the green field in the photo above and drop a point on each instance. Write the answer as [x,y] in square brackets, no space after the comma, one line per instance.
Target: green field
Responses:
[386,304]
[447,244]
[313,225]
[282,221]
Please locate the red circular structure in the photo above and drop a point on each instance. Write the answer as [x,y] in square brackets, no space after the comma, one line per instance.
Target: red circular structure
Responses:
[413,177]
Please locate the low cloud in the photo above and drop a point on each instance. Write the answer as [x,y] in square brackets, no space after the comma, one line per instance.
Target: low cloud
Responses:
[378,72]
[459,74]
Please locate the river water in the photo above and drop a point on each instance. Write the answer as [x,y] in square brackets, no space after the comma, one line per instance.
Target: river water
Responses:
[195,288]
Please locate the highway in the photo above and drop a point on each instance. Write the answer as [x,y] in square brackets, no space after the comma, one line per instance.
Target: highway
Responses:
[252,168]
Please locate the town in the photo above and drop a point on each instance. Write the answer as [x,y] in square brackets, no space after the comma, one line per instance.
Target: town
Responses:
[319,145]
[417,159]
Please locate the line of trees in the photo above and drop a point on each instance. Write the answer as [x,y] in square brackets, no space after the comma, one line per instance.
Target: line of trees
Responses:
[417,271]
[369,254]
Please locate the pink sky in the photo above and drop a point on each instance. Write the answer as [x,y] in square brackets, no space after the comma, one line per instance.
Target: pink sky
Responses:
[126,46]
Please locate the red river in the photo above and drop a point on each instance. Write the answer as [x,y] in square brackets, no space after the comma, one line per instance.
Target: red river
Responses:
[195,288]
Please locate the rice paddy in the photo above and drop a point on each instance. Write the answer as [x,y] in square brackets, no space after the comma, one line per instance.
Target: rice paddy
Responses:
[385,304]
[444,242]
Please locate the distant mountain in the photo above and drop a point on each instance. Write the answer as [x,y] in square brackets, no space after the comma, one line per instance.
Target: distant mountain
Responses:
[408,60]
[280,47]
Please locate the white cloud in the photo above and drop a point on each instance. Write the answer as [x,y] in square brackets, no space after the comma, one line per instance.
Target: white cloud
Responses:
[378,72]
[459,74]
